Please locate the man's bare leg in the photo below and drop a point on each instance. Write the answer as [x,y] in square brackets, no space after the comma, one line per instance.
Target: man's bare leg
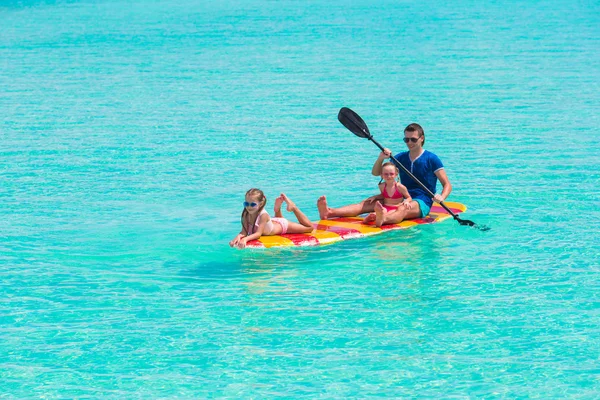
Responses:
[351,210]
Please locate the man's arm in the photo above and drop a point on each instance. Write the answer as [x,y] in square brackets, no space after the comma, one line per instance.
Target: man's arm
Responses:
[376,170]
[446,185]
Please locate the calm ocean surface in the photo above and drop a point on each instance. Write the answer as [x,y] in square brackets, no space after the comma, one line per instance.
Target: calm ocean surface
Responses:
[130,132]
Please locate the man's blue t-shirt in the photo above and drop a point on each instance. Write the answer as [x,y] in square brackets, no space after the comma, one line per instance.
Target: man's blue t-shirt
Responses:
[423,168]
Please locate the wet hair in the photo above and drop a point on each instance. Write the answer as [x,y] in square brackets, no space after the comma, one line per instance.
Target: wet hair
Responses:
[386,164]
[262,199]
[416,128]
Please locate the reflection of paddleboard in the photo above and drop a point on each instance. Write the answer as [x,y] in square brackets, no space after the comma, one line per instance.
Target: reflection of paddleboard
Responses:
[333,230]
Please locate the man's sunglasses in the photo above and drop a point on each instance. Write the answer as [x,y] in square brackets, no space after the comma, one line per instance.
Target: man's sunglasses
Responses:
[246,204]
[411,139]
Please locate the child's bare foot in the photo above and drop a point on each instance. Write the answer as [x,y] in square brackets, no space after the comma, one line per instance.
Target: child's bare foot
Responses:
[278,202]
[369,218]
[379,214]
[291,206]
[322,206]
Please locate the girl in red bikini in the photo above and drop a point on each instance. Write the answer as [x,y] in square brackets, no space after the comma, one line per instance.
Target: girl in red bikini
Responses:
[393,193]
[257,222]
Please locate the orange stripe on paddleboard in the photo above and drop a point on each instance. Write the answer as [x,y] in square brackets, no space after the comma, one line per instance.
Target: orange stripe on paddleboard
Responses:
[275,241]
[325,237]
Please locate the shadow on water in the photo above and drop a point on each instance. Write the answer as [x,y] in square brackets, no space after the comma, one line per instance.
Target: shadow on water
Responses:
[233,263]
[213,270]
[226,263]
[415,246]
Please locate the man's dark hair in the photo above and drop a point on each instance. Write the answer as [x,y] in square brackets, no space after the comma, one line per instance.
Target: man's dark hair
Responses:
[416,128]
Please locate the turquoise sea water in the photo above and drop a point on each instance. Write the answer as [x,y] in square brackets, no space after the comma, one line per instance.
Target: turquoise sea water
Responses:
[131,130]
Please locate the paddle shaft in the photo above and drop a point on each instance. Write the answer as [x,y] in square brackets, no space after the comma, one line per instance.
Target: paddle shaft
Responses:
[414,178]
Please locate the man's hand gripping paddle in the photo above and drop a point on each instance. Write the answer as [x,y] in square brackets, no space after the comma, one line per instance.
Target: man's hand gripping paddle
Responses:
[355,124]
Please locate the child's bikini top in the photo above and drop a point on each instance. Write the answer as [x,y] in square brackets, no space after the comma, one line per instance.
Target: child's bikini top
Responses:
[396,195]
[268,227]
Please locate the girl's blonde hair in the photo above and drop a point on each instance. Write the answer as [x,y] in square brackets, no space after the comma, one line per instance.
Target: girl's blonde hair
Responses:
[262,199]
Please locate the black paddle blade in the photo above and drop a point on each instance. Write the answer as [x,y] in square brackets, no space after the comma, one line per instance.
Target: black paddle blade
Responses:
[465,222]
[353,122]
[473,224]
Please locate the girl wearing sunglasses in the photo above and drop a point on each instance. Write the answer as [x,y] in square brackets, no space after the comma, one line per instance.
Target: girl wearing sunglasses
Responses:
[256,222]
[393,193]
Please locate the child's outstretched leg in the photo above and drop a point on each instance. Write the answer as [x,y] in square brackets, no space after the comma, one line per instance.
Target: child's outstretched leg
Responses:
[304,226]
[351,210]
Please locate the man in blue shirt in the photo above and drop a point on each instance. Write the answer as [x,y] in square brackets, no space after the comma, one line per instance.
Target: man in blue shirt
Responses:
[423,164]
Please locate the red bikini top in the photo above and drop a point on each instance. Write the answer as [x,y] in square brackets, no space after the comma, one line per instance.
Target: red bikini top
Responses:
[396,195]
